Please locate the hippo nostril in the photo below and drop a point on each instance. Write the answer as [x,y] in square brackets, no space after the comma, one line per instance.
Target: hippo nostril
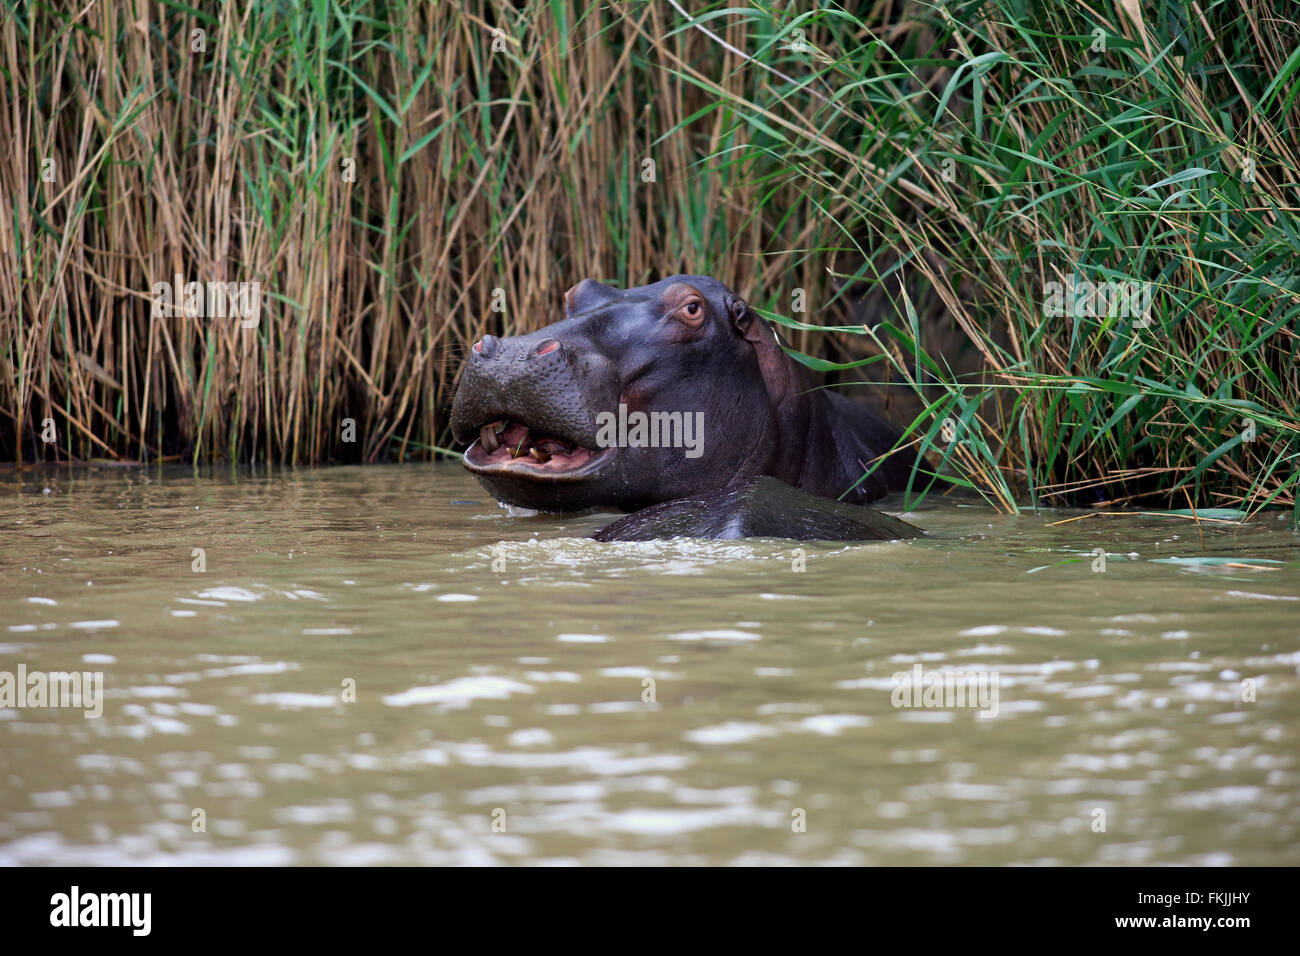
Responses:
[547,347]
[485,345]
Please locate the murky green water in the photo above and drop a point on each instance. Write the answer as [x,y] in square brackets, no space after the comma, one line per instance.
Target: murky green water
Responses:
[639,703]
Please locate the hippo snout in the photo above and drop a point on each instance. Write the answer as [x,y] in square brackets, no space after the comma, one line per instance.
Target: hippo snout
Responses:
[525,404]
[530,379]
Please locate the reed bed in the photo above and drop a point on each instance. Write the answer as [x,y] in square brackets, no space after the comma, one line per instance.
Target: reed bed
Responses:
[401,178]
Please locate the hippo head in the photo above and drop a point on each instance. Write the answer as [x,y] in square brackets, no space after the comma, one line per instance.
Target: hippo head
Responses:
[635,397]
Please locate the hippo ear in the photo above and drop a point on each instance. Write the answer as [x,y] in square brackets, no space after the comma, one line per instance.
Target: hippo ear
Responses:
[781,376]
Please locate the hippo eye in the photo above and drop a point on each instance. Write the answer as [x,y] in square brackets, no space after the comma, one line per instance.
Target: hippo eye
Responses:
[691,312]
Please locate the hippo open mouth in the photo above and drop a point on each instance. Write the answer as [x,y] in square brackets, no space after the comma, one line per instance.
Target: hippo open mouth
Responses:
[512,446]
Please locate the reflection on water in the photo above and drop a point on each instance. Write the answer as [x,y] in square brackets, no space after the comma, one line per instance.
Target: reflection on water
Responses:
[379,665]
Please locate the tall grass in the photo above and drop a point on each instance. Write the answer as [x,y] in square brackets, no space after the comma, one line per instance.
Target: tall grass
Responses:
[474,170]
[970,153]
[915,173]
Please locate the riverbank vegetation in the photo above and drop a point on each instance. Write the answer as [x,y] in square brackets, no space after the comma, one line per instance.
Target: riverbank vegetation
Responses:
[909,190]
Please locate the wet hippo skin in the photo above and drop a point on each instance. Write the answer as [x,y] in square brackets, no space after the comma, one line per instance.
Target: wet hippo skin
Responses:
[673,397]
[760,507]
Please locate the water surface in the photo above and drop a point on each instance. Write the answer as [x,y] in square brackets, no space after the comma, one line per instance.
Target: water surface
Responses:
[523,695]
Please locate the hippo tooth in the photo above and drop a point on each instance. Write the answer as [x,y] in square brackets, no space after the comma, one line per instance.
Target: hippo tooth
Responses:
[539,454]
[488,439]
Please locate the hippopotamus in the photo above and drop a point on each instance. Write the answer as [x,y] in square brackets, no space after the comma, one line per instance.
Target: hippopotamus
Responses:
[676,401]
